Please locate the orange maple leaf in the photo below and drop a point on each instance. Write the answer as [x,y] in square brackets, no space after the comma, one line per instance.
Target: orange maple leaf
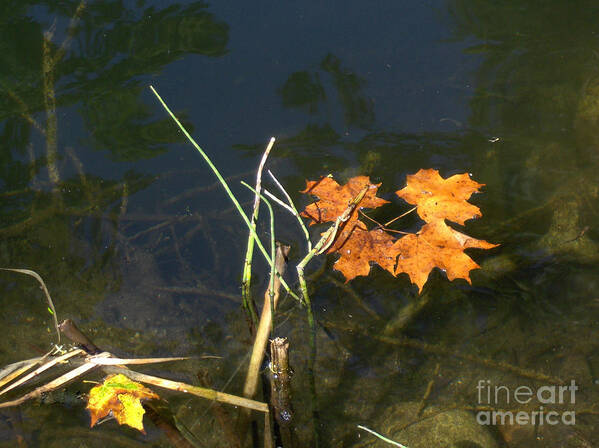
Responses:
[358,248]
[436,245]
[438,198]
[334,198]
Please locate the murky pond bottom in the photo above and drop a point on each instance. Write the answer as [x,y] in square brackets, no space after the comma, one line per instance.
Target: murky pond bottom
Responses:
[423,369]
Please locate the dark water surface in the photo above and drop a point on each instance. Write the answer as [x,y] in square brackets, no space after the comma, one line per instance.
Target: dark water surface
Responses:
[107,201]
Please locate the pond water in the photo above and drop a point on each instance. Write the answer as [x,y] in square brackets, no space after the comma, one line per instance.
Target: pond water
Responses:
[104,197]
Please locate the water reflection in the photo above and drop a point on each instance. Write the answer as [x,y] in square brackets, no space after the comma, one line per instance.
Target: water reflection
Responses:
[302,89]
[71,78]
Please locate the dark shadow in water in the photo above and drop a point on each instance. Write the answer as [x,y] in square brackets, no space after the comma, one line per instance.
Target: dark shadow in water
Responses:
[57,217]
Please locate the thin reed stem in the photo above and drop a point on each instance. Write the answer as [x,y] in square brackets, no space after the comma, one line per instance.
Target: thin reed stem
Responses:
[226,187]
[246,291]
[293,209]
[273,270]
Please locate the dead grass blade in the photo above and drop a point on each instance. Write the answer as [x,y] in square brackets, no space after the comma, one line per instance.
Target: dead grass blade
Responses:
[189,389]
[36,276]
[53,385]
[43,368]
[120,361]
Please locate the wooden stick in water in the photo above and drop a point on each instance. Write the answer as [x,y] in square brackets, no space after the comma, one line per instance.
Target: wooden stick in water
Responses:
[251,380]
[71,331]
[280,390]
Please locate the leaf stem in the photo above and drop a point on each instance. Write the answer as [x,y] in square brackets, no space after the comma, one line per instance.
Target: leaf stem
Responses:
[401,216]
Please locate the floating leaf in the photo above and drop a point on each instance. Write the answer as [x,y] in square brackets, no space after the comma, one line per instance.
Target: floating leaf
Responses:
[438,198]
[122,397]
[435,245]
[359,248]
[334,198]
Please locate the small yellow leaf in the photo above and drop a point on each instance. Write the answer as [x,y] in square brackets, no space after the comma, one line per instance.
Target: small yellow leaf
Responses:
[133,412]
[121,396]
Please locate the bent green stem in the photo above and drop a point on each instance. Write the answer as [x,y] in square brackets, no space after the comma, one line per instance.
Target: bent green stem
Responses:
[273,269]
[246,291]
[292,209]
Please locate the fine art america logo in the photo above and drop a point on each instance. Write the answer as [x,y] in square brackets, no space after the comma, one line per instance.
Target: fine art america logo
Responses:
[495,395]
